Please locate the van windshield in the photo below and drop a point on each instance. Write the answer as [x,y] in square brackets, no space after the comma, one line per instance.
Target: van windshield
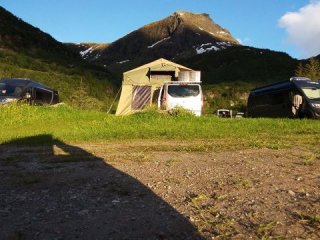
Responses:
[183,90]
[312,93]
[6,89]
[11,89]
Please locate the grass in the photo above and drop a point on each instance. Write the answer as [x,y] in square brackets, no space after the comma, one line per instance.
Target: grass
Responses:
[312,219]
[309,160]
[243,182]
[36,124]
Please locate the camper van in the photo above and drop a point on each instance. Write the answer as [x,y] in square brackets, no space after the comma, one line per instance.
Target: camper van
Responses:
[187,95]
[297,97]
[18,89]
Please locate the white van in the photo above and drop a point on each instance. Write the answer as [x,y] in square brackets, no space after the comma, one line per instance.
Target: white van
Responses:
[187,95]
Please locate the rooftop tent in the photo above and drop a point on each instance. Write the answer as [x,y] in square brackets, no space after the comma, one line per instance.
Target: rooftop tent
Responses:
[139,86]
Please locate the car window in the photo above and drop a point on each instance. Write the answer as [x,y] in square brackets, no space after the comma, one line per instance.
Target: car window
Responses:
[6,89]
[312,93]
[183,90]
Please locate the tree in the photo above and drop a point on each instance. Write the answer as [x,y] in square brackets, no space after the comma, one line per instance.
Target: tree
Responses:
[310,70]
[81,99]
[300,71]
[313,69]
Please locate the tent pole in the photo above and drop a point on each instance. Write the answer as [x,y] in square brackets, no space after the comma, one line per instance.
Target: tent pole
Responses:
[114,100]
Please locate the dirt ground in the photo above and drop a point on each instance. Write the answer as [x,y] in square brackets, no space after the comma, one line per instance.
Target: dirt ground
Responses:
[162,190]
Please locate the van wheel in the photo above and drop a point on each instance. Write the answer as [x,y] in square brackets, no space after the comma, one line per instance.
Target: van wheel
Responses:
[306,115]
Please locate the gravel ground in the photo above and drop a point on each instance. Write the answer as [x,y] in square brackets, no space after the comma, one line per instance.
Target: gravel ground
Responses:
[163,190]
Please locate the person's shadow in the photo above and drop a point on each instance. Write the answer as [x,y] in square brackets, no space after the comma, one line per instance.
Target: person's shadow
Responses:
[51,190]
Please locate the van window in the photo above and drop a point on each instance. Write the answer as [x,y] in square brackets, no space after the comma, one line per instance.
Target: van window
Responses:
[42,96]
[183,90]
[261,100]
[312,93]
[278,98]
[10,90]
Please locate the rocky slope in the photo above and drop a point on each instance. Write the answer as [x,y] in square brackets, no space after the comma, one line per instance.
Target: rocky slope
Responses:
[180,35]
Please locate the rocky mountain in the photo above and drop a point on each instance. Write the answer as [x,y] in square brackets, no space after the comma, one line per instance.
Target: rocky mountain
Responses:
[180,35]
[88,51]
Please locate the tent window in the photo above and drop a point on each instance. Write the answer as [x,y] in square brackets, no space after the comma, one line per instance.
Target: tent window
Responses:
[162,75]
[141,96]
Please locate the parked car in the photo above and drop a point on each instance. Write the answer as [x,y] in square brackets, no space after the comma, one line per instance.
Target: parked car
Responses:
[239,115]
[297,97]
[187,95]
[224,113]
[18,89]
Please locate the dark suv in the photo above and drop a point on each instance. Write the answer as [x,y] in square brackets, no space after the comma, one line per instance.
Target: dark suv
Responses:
[18,89]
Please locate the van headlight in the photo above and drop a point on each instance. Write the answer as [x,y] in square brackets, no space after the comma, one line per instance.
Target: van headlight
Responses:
[315,105]
[28,95]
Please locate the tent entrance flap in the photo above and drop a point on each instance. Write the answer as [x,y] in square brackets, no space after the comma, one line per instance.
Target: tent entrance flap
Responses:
[141,97]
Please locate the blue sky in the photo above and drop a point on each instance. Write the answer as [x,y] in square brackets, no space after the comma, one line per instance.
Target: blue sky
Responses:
[257,23]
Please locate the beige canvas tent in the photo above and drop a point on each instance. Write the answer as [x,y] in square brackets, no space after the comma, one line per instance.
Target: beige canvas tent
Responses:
[141,85]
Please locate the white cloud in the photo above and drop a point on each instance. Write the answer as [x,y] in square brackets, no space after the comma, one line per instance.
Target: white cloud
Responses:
[303,28]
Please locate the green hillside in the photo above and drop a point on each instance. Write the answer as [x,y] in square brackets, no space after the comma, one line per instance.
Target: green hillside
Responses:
[228,75]
[27,52]
[243,64]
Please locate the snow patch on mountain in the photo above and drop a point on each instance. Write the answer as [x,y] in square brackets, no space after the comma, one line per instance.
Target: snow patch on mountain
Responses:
[222,33]
[124,61]
[208,47]
[162,40]
[86,52]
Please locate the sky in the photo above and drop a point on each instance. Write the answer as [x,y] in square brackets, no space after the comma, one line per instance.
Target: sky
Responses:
[291,26]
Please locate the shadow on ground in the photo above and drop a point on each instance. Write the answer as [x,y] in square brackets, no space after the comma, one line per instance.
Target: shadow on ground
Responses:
[51,190]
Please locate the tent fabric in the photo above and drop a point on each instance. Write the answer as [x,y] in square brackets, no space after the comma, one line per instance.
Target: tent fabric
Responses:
[140,84]
[140,97]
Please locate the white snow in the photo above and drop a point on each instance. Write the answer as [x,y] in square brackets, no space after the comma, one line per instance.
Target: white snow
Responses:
[201,28]
[123,61]
[85,52]
[206,44]
[224,44]
[222,32]
[162,40]
[206,47]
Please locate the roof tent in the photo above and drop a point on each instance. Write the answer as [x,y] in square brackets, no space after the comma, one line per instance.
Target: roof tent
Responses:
[140,85]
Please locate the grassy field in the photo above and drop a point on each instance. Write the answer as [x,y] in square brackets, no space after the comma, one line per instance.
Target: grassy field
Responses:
[76,126]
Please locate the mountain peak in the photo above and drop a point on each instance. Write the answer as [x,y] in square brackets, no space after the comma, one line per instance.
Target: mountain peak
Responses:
[179,35]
